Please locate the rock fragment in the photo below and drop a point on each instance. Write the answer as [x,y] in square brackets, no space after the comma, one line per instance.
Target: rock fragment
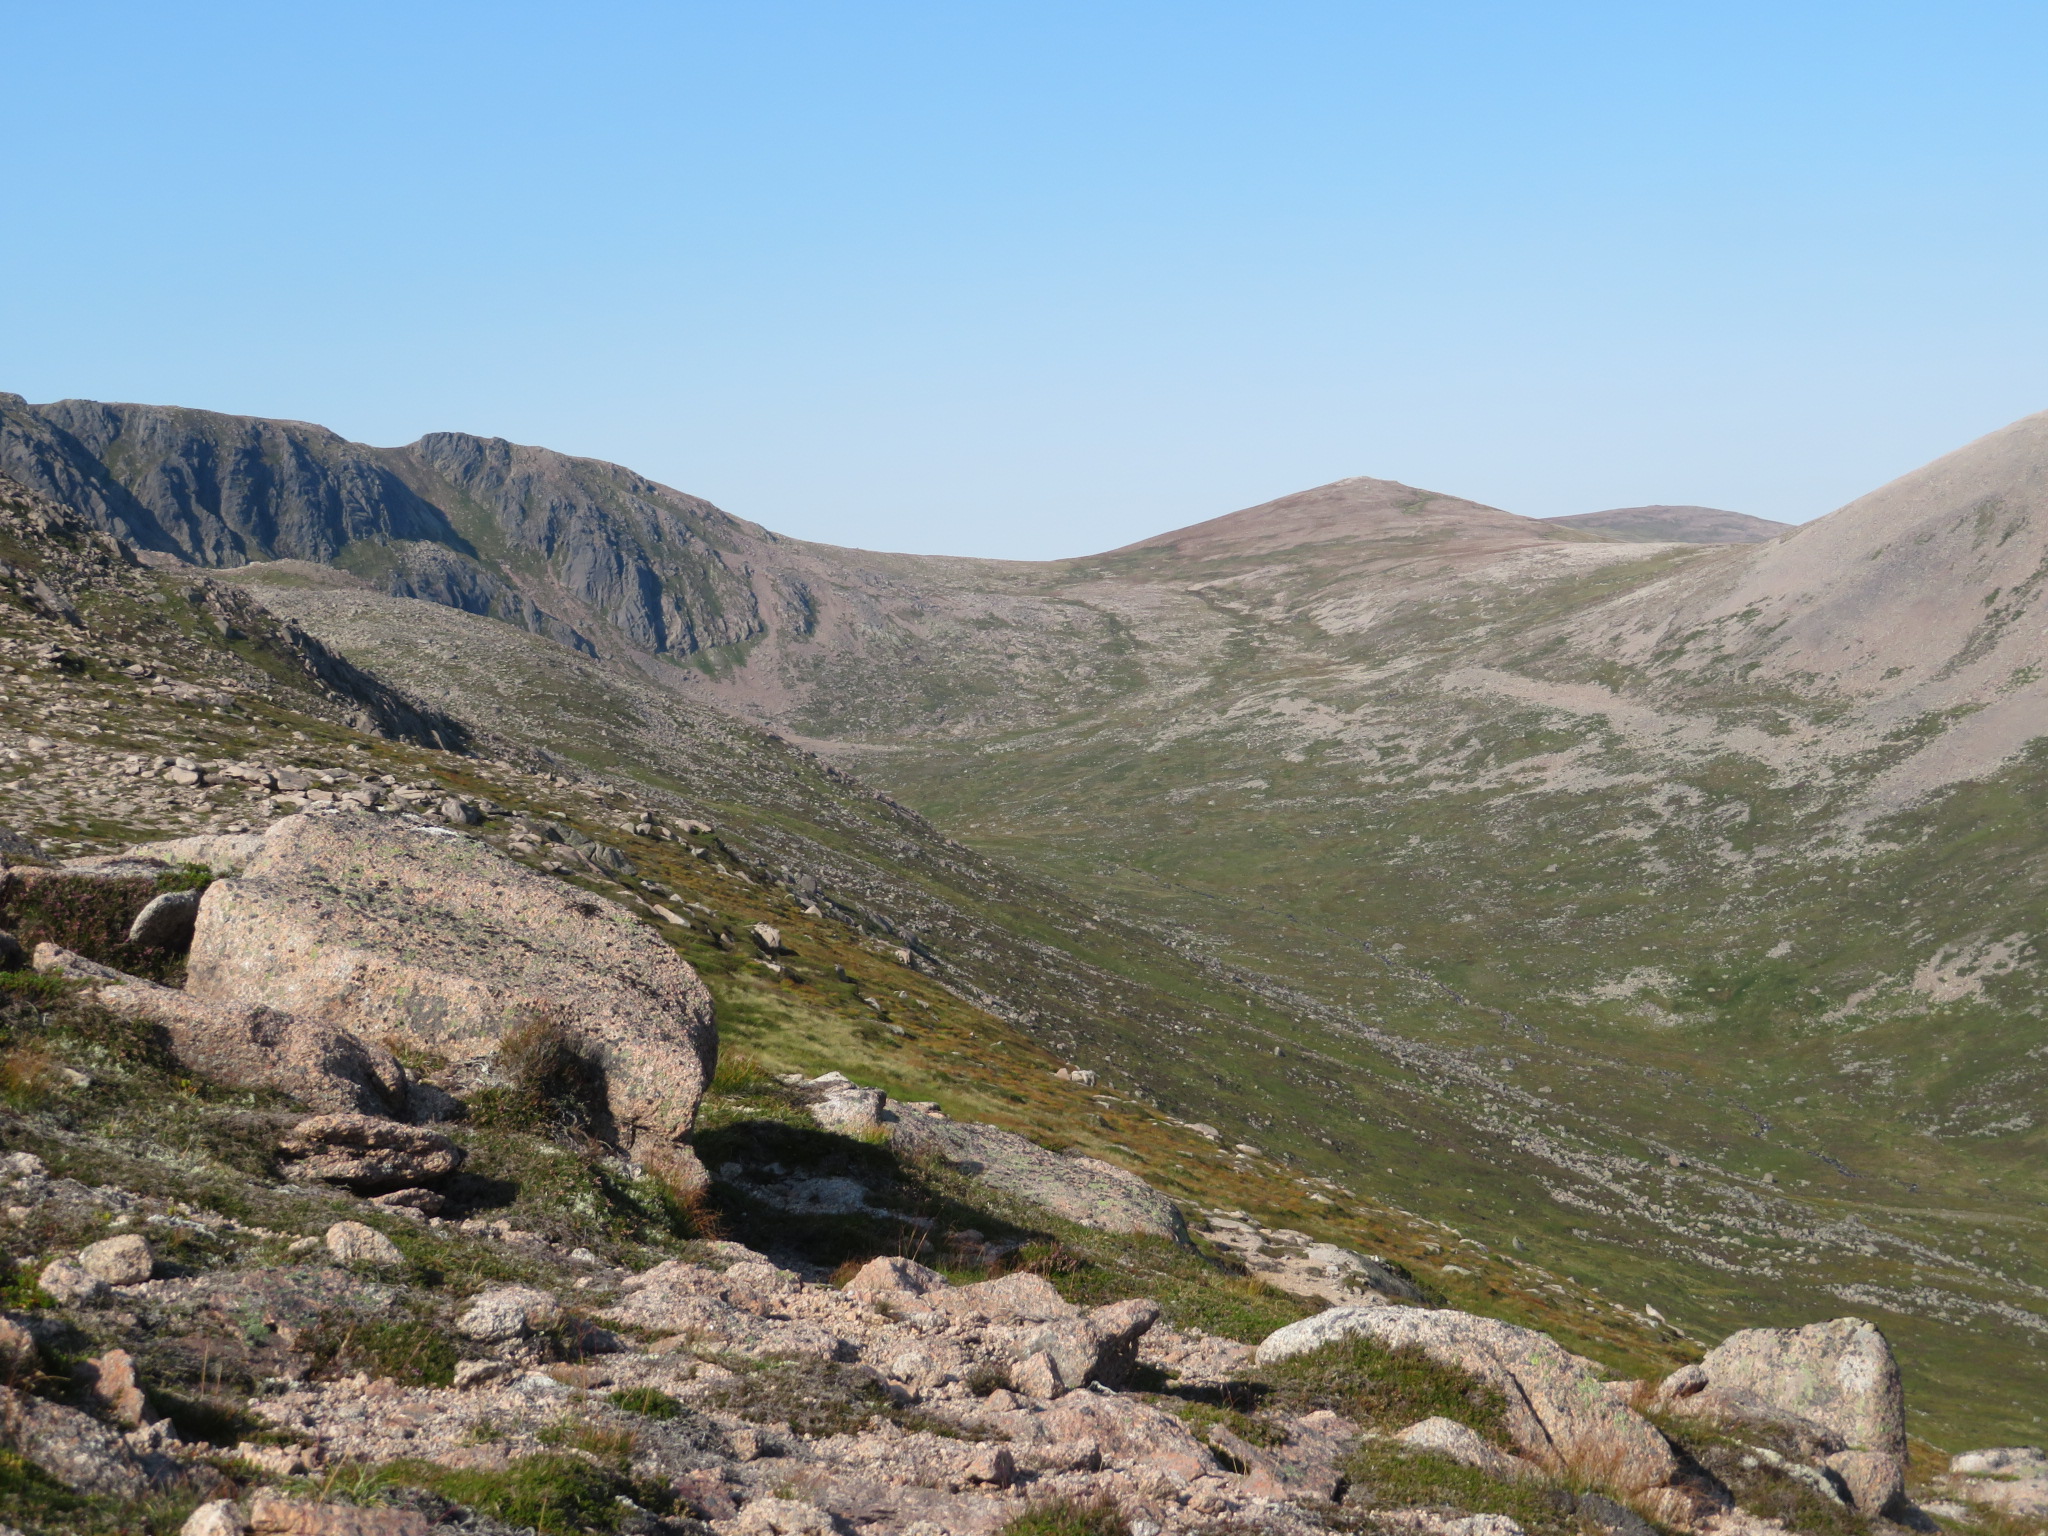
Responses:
[78,1451]
[124,1260]
[112,1382]
[69,1285]
[350,1242]
[367,1154]
[218,1517]
[507,1313]
[166,922]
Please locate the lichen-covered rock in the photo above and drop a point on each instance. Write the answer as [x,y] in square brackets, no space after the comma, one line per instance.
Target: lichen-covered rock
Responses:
[366,1154]
[222,852]
[251,1045]
[124,1260]
[271,1515]
[1840,1375]
[80,1452]
[1558,1412]
[1460,1442]
[386,929]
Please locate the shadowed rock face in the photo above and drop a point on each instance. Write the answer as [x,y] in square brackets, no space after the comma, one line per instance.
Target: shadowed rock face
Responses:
[389,930]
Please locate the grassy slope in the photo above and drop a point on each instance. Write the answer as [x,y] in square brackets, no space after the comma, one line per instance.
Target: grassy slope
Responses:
[1659,963]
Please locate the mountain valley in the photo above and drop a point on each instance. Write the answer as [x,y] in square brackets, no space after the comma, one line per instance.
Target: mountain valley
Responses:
[1660,912]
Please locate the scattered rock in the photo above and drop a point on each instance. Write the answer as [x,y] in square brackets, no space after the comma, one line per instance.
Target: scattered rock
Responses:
[353,1243]
[508,1313]
[780,1517]
[1557,1411]
[842,1106]
[17,1350]
[767,937]
[124,1260]
[16,849]
[895,1278]
[367,1154]
[426,1202]
[64,1282]
[166,922]
[1299,1264]
[1101,1346]
[381,929]
[2013,1478]
[112,1382]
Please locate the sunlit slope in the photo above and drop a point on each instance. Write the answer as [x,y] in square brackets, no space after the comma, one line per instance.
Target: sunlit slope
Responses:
[1243,995]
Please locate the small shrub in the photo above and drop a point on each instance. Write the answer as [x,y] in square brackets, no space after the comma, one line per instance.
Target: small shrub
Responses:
[815,1397]
[1364,1380]
[414,1352]
[1068,1517]
[649,1401]
[555,1495]
[27,1073]
[551,1086]
[35,986]
[742,1076]
[1391,1476]
[606,1444]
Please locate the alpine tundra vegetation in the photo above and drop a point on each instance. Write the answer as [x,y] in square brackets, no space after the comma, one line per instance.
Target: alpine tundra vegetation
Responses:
[530,1003]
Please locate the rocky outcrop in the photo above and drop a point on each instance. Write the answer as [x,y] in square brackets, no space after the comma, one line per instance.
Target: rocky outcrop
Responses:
[1558,1412]
[1837,1382]
[386,930]
[367,1154]
[1303,1266]
[1085,1190]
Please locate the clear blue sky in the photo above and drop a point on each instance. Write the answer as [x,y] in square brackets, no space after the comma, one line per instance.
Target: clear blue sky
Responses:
[1040,278]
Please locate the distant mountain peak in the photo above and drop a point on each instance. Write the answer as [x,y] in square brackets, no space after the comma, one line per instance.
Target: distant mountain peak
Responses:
[1661,524]
[1358,509]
